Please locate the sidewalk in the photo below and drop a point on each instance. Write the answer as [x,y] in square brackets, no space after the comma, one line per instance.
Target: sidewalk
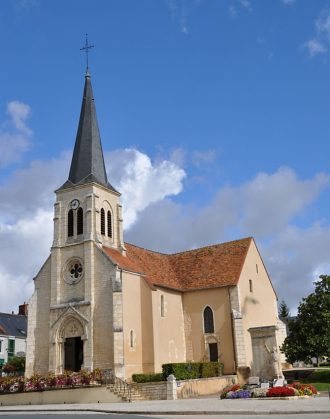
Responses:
[206,406]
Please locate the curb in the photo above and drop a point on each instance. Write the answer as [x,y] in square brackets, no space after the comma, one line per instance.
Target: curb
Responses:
[176,412]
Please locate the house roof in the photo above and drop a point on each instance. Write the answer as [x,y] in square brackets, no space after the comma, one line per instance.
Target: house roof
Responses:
[13,325]
[206,267]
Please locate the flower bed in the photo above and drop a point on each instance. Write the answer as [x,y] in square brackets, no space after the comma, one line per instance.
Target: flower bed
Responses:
[280,392]
[49,381]
[243,392]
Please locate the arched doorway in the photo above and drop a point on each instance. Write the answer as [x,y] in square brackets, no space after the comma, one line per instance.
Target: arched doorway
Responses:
[73,354]
[71,342]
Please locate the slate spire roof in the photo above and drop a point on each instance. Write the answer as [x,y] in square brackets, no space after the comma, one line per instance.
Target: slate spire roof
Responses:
[87,163]
[13,325]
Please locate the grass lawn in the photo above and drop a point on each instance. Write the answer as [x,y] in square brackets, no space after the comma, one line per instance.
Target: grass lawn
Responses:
[319,378]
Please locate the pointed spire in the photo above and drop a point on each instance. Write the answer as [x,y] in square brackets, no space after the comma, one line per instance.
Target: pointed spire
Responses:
[87,163]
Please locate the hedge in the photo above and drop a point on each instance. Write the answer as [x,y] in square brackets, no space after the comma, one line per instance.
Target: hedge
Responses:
[148,378]
[190,370]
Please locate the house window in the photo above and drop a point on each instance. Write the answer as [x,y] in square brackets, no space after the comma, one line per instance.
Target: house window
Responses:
[0,346]
[250,285]
[70,223]
[162,306]
[102,222]
[109,219]
[208,320]
[11,348]
[80,221]
[131,339]
[257,268]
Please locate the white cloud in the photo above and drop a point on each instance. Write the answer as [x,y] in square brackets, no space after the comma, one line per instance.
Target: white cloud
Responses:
[270,202]
[42,177]
[295,258]
[24,247]
[205,157]
[26,226]
[320,42]
[264,207]
[26,210]
[315,47]
[140,181]
[322,24]
[15,135]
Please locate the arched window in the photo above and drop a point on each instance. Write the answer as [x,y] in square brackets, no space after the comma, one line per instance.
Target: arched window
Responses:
[162,306]
[102,222]
[109,219]
[250,285]
[80,221]
[208,320]
[70,223]
[131,339]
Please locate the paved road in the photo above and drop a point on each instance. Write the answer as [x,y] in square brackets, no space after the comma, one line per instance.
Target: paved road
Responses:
[195,408]
[73,415]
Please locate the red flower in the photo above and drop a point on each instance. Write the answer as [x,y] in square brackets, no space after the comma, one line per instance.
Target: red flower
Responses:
[280,392]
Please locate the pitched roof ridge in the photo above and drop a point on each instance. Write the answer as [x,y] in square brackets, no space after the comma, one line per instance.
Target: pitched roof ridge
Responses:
[149,250]
[211,245]
[191,250]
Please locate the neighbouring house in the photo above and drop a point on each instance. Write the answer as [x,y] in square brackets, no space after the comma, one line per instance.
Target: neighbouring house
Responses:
[102,303]
[13,332]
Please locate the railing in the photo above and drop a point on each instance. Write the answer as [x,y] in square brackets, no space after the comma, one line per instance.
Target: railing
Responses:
[120,386]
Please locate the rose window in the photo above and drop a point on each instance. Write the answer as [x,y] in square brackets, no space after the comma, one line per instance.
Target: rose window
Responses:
[73,271]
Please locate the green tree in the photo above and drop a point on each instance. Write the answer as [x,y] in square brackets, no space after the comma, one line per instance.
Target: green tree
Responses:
[15,364]
[309,333]
[284,311]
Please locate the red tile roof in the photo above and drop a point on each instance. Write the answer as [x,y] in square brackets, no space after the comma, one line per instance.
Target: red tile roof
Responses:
[206,267]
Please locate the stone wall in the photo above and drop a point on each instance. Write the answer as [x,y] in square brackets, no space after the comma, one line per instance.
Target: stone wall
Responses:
[149,391]
[185,388]
[204,386]
[72,396]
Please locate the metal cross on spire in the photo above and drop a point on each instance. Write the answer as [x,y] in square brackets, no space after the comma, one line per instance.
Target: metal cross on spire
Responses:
[86,48]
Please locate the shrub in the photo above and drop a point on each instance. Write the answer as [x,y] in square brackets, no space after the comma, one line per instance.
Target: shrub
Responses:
[190,370]
[182,371]
[147,378]
[211,369]
[280,392]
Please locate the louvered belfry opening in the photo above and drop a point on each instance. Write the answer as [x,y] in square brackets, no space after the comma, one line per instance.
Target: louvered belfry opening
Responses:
[70,223]
[102,222]
[109,219]
[80,221]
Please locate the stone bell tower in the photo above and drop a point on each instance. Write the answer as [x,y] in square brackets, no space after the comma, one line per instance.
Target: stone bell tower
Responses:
[87,217]
[73,298]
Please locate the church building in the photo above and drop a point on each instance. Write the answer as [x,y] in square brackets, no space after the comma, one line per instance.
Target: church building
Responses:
[100,302]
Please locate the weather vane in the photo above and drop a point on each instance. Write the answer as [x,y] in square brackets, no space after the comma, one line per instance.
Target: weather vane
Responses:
[86,48]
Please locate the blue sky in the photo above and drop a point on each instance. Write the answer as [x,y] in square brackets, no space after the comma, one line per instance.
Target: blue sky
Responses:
[214,119]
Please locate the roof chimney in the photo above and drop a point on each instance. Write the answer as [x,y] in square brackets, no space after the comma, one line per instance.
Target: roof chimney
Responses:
[23,309]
